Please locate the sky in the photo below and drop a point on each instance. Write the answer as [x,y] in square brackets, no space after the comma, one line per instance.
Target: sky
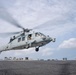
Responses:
[56,18]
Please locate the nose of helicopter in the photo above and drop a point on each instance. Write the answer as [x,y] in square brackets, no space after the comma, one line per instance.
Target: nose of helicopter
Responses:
[51,39]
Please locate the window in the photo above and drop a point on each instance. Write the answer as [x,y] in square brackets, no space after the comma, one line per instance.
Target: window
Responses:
[29,36]
[23,38]
[36,34]
[19,39]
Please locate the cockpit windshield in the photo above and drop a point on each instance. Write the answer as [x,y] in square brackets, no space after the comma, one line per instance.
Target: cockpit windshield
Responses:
[39,34]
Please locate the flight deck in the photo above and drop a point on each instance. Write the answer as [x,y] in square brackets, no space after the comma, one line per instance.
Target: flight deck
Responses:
[38,67]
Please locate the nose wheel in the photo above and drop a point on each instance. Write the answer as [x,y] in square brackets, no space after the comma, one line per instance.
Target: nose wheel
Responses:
[37,49]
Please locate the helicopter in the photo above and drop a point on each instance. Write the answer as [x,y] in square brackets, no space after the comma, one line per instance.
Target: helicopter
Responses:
[25,39]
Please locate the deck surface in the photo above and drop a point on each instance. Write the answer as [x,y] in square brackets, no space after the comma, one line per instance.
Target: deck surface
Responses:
[37,67]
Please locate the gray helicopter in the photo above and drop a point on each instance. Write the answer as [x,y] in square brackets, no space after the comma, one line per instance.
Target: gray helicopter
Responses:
[25,39]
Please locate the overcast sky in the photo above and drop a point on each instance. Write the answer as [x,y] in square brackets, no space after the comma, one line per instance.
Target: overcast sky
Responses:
[56,18]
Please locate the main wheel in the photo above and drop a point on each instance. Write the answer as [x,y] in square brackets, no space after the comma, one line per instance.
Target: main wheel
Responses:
[37,49]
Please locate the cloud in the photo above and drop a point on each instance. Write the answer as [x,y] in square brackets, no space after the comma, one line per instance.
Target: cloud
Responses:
[24,52]
[71,43]
[46,51]
[59,13]
[33,13]
[37,12]
[18,53]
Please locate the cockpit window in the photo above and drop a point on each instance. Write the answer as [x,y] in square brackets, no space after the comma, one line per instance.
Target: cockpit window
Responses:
[39,34]
[42,35]
[36,34]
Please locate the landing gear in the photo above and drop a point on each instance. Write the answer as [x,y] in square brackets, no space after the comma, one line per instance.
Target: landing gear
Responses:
[37,49]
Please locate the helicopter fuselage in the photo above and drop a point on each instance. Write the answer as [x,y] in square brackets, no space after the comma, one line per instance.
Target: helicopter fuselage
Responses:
[28,40]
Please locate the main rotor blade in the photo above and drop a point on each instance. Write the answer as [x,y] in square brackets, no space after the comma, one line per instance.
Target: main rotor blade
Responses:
[47,25]
[8,34]
[5,15]
[44,25]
